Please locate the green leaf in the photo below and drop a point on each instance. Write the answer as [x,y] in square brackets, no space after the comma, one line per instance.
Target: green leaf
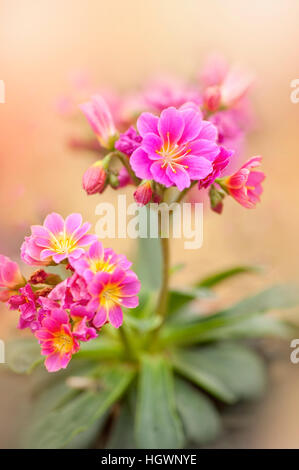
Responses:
[276,297]
[100,348]
[230,372]
[196,330]
[200,418]
[157,424]
[143,325]
[179,298]
[60,426]
[252,327]
[122,435]
[214,279]
[23,355]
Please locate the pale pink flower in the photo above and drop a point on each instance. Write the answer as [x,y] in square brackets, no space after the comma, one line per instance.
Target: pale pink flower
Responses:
[10,278]
[57,239]
[99,116]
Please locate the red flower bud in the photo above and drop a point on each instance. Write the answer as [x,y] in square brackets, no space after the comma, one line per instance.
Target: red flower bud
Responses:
[94,179]
[143,193]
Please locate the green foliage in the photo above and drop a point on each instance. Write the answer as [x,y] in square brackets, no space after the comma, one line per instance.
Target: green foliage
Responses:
[157,423]
[157,395]
[215,279]
[230,372]
[200,418]
[58,427]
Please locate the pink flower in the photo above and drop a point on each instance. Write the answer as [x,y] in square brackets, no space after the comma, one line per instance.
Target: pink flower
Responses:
[143,193]
[233,83]
[57,340]
[70,292]
[57,239]
[166,91]
[128,141]
[10,278]
[220,162]
[81,327]
[245,185]
[176,148]
[99,259]
[99,116]
[111,292]
[94,178]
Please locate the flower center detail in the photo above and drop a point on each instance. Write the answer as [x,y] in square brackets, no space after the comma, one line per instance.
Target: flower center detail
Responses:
[63,343]
[63,243]
[172,154]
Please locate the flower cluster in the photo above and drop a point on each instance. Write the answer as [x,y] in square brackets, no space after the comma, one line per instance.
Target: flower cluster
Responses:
[175,134]
[63,313]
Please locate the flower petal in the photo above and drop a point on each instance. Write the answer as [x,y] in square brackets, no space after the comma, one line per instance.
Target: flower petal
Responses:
[171,125]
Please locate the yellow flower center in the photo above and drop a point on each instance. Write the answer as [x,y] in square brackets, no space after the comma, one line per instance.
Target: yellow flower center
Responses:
[63,342]
[63,243]
[172,154]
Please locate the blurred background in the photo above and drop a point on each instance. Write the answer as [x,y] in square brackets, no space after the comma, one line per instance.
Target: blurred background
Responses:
[46,45]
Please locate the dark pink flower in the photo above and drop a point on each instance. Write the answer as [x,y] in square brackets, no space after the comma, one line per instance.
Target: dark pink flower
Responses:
[177,147]
[111,292]
[72,291]
[219,164]
[128,141]
[25,302]
[57,340]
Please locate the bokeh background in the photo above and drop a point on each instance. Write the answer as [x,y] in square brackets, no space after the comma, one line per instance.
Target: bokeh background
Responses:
[45,44]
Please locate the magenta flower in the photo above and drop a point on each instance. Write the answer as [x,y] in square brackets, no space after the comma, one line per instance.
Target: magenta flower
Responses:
[57,239]
[72,291]
[176,148]
[99,116]
[25,302]
[57,340]
[128,141]
[99,259]
[111,292]
[245,185]
[219,164]
[10,278]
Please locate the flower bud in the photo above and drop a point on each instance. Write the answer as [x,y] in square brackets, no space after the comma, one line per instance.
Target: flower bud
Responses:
[216,197]
[212,98]
[94,178]
[143,193]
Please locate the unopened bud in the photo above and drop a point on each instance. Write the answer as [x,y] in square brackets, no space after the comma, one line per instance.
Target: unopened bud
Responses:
[94,178]
[216,198]
[212,98]
[143,193]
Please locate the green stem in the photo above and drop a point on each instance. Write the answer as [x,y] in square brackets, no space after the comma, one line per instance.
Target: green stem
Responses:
[184,192]
[126,342]
[125,161]
[163,295]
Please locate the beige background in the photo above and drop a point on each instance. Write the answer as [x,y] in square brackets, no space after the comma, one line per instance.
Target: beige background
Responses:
[121,43]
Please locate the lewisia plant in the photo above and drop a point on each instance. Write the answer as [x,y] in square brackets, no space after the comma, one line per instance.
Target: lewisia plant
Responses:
[141,356]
